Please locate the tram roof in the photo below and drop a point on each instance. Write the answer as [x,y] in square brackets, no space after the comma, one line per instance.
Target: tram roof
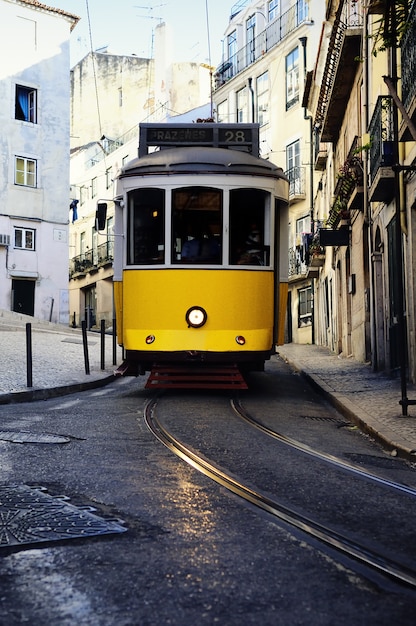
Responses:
[204,160]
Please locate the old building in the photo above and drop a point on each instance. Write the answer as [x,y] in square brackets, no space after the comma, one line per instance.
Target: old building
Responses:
[34,175]
[268,47]
[110,96]
[365,151]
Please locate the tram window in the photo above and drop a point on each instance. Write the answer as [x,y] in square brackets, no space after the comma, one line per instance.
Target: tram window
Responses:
[249,235]
[146,227]
[196,225]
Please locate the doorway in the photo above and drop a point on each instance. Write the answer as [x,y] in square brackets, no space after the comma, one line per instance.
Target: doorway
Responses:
[23,296]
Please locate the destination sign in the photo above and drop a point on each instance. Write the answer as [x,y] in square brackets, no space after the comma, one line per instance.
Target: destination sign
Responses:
[234,136]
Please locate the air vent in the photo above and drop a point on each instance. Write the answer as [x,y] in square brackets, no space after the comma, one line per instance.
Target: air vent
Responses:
[4,240]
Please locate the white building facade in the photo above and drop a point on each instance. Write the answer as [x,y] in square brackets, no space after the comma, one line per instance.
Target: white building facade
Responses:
[34,172]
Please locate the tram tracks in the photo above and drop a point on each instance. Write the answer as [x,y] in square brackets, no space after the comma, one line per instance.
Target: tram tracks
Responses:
[349,548]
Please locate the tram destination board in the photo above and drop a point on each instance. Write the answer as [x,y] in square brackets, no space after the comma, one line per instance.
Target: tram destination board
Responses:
[234,136]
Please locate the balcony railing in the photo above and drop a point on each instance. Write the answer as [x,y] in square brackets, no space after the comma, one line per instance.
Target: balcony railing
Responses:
[408,66]
[91,260]
[265,41]
[297,185]
[297,265]
[381,155]
[340,68]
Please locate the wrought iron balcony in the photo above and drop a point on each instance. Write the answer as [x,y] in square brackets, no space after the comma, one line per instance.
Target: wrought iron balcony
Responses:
[408,70]
[349,188]
[273,34]
[297,186]
[340,68]
[91,260]
[297,264]
[381,151]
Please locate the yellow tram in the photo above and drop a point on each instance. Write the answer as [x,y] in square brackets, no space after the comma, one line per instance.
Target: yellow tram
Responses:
[200,271]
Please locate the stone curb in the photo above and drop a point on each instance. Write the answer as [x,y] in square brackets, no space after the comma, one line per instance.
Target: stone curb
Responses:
[387,438]
[53,392]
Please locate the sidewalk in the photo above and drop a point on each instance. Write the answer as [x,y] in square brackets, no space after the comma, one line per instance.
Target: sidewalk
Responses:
[58,361]
[369,399]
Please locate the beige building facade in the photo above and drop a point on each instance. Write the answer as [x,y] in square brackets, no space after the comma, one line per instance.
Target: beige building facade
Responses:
[365,154]
[268,48]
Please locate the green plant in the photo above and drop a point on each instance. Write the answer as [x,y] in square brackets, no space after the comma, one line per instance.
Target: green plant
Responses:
[391,27]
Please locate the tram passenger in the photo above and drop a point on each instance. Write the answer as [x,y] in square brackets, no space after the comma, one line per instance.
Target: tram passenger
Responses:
[252,252]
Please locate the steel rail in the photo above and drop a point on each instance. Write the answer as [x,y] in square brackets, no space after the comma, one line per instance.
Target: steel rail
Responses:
[328,458]
[365,556]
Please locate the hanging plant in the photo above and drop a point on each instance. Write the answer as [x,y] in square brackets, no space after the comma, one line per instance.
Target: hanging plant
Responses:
[391,27]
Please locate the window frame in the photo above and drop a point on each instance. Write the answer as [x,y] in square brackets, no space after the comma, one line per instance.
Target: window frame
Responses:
[292,78]
[305,299]
[273,9]
[262,98]
[25,232]
[25,172]
[31,97]
[241,97]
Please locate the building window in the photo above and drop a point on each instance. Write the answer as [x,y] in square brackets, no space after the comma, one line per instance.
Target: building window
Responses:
[304,307]
[303,226]
[25,104]
[24,238]
[94,187]
[222,111]
[293,168]
[25,172]
[120,96]
[273,9]
[108,177]
[250,36]
[232,45]
[263,99]
[242,108]
[292,78]
[302,11]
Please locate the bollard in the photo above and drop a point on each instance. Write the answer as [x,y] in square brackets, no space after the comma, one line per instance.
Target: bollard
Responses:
[114,342]
[103,344]
[85,344]
[29,370]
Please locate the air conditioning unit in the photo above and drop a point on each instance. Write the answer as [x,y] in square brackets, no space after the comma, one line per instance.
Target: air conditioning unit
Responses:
[4,240]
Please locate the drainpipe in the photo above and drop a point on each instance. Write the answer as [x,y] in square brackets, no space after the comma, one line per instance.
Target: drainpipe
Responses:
[250,81]
[307,117]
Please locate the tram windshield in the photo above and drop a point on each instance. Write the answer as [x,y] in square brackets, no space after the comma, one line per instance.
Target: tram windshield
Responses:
[249,227]
[198,224]
[146,227]
[197,214]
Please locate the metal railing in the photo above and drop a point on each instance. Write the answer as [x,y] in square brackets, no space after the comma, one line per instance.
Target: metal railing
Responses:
[381,136]
[350,16]
[408,65]
[297,184]
[91,260]
[273,34]
[297,265]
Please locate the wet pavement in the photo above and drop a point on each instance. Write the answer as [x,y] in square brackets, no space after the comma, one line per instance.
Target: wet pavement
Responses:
[370,399]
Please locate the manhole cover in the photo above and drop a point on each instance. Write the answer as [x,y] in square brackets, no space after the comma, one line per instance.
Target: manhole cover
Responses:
[28,437]
[29,515]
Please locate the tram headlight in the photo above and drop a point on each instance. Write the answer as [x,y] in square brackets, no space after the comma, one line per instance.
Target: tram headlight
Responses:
[150,339]
[196,316]
[240,340]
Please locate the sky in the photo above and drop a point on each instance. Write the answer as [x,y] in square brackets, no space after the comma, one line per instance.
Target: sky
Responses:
[126,27]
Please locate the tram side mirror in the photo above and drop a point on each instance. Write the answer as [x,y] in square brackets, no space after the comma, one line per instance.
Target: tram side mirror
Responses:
[100,216]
